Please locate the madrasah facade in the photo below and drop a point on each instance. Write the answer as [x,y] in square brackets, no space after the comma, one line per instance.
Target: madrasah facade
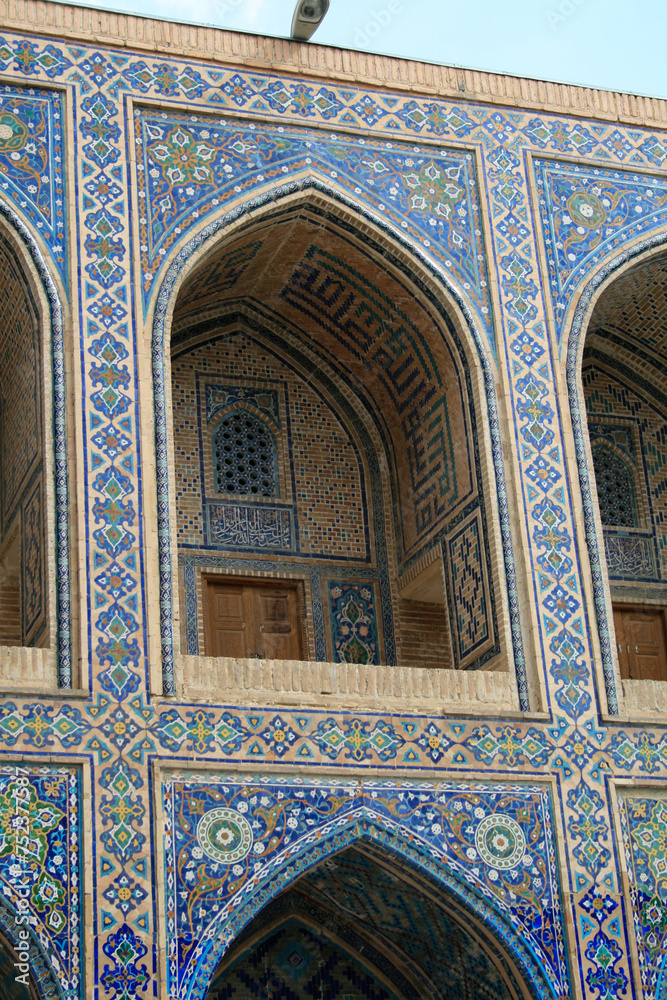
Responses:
[333,523]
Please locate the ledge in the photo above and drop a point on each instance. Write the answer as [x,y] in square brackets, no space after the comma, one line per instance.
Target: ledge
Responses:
[296,683]
[28,669]
[645,698]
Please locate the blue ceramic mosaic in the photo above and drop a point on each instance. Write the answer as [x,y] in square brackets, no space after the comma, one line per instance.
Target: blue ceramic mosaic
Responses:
[418,168]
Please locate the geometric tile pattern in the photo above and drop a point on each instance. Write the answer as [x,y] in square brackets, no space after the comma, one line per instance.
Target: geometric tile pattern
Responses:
[118,727]
[469,590]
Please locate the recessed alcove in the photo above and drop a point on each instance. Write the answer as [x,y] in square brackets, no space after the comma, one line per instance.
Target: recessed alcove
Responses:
[624,381]
[332,498]
[28,658]
[362,924]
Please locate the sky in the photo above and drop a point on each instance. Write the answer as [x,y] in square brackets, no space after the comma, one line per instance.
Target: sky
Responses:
[613,44]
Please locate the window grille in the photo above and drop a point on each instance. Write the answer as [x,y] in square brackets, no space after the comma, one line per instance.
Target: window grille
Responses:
[616,489]
[244,456]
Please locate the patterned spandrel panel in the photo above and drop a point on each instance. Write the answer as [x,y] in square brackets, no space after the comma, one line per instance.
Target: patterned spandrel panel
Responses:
[191,167]
[644,825]
[40,866]
[32,163]
[587,214]
[232,840]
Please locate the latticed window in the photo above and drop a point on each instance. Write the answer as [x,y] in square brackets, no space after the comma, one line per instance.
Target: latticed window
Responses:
[244,456]
[616,489]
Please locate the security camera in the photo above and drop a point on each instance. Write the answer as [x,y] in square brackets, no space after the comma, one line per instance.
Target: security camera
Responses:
[308,15]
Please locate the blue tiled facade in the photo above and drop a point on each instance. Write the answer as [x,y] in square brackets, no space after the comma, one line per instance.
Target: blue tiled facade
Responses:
[146,834]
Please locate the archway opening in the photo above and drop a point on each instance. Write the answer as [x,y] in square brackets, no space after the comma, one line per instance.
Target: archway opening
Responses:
[624,379]
[24,569]
[361,925]
[330,495]
[16,982]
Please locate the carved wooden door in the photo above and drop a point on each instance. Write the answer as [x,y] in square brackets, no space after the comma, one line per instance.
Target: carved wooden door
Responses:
[253,620]
[641,643]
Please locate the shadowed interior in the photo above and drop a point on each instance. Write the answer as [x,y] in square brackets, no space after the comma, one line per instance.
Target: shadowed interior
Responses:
[368,401]
[362,925]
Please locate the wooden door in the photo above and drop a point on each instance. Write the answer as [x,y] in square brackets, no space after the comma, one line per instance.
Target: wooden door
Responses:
[641,643]
[247,619]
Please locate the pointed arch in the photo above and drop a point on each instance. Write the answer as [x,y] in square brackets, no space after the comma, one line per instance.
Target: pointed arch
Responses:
[18,231]
[18,942]
[436,288]
[609,271]
[516,951]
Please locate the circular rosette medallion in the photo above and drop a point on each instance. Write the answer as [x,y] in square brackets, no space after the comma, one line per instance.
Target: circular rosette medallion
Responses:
[13,133]
[500,842]
[586,209]
[225,835]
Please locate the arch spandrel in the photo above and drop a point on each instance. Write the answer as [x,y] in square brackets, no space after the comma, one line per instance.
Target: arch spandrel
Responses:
[236,842]
[191,167]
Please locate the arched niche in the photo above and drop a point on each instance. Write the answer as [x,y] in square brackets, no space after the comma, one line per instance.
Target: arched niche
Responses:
[396,407]
[361,923]
[34,494]
[25,973]
[622,452]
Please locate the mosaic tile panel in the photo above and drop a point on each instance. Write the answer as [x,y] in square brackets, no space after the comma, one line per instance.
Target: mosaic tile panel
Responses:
[34,609]
[32,163]
[118,726]
[643,824]
[470,610]
[190,167]
[229,839]
[353,622]
[40,865]
[589,214]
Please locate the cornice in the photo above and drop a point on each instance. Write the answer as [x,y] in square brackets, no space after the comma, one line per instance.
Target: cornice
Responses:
[280,55]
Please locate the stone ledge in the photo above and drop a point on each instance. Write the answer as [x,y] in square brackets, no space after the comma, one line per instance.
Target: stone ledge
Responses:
[294,682]
[645,697]
[27,669]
